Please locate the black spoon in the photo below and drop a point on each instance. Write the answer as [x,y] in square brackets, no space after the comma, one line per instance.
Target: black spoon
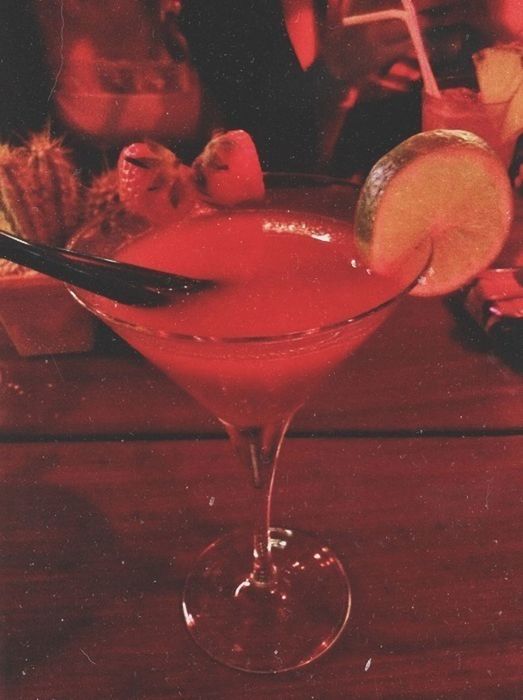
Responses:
[128,284]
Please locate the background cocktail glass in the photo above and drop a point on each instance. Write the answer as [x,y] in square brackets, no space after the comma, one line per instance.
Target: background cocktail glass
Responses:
[119,71]
[113,102]
[460,107]
[276,599]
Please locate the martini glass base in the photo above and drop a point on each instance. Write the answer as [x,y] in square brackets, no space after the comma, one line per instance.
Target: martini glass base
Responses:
[271,628]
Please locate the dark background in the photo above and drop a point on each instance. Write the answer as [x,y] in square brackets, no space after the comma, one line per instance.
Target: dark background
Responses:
[25,84]
[251,74]
[370,130]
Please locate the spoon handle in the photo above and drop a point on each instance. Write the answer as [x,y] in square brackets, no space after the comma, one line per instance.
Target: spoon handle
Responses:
[128,284]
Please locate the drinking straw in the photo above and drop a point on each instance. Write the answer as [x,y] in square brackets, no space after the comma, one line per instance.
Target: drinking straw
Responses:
[407,15]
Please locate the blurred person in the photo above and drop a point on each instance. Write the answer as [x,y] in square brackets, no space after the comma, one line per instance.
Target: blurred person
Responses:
[247,62]
[281,69]
[507,18]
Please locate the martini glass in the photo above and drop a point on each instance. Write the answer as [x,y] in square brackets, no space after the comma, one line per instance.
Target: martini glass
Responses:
[268,599]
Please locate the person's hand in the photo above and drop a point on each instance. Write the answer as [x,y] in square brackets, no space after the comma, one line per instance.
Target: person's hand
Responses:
[359,53]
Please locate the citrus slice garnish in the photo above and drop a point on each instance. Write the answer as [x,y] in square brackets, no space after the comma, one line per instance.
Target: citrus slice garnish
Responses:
[499,71]
[443,188]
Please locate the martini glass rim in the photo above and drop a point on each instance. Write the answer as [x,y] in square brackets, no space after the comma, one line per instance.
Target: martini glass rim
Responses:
[281,180]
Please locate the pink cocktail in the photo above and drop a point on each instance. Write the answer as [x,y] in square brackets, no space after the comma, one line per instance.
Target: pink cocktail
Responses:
[462,108]
[291,301]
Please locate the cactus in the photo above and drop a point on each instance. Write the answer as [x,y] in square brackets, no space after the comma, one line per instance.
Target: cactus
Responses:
[12,163]
[101,197]
[39,189]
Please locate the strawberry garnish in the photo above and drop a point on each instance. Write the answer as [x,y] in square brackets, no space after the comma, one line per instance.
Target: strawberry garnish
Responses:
[154,183]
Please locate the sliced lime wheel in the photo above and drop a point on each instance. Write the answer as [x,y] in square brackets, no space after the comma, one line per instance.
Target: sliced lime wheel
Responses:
[443,188]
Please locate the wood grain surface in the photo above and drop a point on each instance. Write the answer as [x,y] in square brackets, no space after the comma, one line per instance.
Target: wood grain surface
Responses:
[424,370]
[408,461]
[99,538]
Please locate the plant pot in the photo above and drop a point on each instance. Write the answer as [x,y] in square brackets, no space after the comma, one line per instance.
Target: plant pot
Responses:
[40,317]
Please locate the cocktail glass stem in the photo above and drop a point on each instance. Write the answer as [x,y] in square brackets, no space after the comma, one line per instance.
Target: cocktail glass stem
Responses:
[258,449]
[273,602]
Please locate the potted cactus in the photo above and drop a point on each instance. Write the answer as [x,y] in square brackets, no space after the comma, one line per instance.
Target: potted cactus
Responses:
[42,199]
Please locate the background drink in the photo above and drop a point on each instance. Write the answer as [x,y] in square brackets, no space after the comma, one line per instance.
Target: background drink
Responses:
[462,108]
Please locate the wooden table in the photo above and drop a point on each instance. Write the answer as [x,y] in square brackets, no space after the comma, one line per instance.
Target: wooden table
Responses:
[408,461]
